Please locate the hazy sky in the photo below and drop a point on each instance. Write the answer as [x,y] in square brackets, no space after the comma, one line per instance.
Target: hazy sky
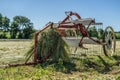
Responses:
[41,12]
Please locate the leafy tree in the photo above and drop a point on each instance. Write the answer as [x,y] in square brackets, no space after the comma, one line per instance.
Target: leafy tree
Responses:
[0,20]
[100,33]
[5,23]
[14,30]
[5,26]
[25,26]
[22,21]
[21,27]
[0,25]
[28,31]
[93,31]
[117,35]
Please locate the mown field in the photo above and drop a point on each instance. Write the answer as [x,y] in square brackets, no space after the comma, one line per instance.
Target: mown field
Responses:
[84,66]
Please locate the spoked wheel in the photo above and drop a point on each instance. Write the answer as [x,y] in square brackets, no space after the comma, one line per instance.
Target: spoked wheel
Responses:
[110,41]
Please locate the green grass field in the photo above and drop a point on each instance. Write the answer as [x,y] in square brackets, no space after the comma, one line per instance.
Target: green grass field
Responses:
[88,67]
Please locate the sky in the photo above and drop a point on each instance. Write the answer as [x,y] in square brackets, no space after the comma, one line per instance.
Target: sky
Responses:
[40,12]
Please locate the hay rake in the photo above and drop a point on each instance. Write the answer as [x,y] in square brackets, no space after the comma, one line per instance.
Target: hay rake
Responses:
[80,25]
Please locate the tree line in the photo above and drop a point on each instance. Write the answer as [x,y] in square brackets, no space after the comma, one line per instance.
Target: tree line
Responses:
[93,32]
[20,28]
[99,33]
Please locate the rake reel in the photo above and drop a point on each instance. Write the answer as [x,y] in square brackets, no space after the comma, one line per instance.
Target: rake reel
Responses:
[80,25]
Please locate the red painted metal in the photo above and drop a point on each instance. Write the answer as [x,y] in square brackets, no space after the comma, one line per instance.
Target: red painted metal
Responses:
[71,14]
[29,56]
[50,24]
[29,63]
[35,46]
[78,27]
[34,52]
[61,31]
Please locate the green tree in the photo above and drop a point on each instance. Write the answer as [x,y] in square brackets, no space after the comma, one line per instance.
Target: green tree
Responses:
[117,35]
[5,26]
[25,26]
[0,25]
[0,21]
[100,33]
[93,31]
[14,30]
[28,31]
[5,23]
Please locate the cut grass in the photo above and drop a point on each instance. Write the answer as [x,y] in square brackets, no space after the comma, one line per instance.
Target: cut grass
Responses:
[90,68]
[87,67]
[13,51]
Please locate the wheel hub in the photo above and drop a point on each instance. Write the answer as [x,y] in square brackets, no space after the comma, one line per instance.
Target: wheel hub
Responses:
[109,43]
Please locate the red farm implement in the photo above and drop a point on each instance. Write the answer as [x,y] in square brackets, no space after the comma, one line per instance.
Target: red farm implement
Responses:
[80,25]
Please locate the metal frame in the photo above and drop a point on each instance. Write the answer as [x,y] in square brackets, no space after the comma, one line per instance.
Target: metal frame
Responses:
[80,27]
[63,24]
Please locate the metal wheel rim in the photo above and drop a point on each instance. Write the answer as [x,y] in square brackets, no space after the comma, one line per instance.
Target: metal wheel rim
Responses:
[109,39]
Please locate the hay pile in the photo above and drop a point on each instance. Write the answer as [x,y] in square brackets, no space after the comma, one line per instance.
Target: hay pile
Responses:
[51,43]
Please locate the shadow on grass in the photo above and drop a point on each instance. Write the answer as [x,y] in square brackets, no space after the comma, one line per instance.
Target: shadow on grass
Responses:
[65,67]
[106,65]
[60,66]
[116,57]
[100,64]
